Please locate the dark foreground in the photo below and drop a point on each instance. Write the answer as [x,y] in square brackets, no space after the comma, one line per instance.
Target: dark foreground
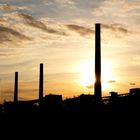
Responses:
[115,116]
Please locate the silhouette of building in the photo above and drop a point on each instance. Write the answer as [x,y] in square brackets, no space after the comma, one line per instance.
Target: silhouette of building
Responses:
[53,102]
[134,91]
[41,83]
[113,94]
[97,86]
[87,101]
[113,98]
[16,88]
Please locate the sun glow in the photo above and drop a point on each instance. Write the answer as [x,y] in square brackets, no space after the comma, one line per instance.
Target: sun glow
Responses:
[87,75]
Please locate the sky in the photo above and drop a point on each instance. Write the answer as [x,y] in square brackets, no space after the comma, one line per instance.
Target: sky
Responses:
[60,34]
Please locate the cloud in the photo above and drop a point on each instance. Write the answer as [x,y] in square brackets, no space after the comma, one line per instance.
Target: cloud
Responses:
[111,81]
[132,84]
[7,7]
[31,21]
[25,30]
[83,31]
[28,19]
[8,34]
[115,28]
[23,16]
[90,86]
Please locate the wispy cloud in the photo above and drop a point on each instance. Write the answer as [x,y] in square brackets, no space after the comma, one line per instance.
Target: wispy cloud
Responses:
[83,31]
[90,86]
[31,21]
[8,34]
[7,7]
[116,28]
[132,84]
[111,81]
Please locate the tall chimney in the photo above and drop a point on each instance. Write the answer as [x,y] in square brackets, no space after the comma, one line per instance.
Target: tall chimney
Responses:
[97,86]
[16,88]
[41,83]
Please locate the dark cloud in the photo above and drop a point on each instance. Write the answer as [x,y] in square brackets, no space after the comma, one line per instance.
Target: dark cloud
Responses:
[28,19]
[83,31]
[53,31]
[90,86]
[24,16]
[8,34]
[111,81]
[31,21]
[132,84]
[115,28]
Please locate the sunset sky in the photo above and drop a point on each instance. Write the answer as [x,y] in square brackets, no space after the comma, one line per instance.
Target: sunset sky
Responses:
[60,34]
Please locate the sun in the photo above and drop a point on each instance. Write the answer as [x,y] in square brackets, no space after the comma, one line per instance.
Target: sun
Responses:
[87,75]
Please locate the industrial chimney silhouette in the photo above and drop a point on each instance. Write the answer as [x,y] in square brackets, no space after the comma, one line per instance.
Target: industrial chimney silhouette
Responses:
[16,88]
[97,86]
[41,83]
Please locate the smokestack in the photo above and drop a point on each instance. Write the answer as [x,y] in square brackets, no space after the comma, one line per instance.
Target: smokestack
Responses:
[97,86]
[16,88]
[41,83]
